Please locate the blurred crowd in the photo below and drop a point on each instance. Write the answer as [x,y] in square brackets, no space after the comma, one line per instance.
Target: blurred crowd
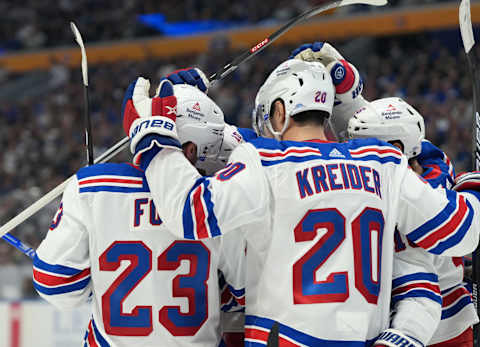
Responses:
[42,138]
[35,24]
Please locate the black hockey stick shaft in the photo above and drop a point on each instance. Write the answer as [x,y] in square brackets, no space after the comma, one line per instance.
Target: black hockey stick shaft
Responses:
[273,336]
[247,55]
[88,128]
[468,39]
[476,166]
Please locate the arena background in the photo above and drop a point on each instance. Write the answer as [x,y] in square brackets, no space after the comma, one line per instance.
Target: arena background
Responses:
[410,48]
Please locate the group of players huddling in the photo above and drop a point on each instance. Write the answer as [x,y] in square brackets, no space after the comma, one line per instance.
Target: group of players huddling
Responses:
[353,243]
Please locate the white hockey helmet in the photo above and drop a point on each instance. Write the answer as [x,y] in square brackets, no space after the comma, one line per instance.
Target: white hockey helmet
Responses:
[390,119]
[200,121]
[301,86]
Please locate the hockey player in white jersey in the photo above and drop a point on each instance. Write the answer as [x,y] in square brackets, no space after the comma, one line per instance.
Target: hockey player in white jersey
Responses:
[319,217]
[394,121]
[108,242]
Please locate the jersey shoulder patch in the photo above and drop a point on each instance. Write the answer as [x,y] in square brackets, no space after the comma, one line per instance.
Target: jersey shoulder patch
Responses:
[111,177]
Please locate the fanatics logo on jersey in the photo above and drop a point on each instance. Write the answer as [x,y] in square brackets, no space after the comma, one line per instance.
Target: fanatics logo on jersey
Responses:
[335,153]
[196,107]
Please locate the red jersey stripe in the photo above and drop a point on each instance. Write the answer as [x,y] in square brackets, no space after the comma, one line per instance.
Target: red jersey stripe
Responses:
[111,180]
[423,285]
[447,228]
[449,299]
[199,214]
[52,280]
[290,151]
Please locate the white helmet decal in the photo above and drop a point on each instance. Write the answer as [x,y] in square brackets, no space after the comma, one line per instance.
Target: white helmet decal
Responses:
[302,86]
[390,119]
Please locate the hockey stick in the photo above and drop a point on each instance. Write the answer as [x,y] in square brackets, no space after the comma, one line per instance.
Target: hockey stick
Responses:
[22,247]
[55,192]
[222,73]
[88,122]
[273,336]
[468,39]
[244,57]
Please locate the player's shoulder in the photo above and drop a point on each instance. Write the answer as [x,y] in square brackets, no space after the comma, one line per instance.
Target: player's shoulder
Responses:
[112,177]
[375,150]
[430,151]
[247,134]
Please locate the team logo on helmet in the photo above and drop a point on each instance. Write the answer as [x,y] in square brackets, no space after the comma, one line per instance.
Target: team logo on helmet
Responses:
[196,107]
[339,72]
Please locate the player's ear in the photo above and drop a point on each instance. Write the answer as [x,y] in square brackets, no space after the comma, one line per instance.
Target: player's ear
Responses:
[397,144]
[190,151]
[278,117]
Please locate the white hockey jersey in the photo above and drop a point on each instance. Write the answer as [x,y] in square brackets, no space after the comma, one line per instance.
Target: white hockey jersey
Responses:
[320,221]
[147,287]
[412,281]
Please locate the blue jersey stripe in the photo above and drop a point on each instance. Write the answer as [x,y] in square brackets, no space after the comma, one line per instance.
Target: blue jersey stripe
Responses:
[58,269]
[303,338]
[110,169]
[254,344]
[211,218]
[439,219]
[62,289]
[187,212]
[113,189]
[419,276]
[296,159]
[237,292]
[418,293]
[452,311]
[228,307]
[101,340]
[381,160]
[457,236]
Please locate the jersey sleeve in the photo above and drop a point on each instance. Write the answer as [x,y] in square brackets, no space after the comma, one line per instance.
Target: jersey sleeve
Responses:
[441,221]
[233,267]
[61,267]
[196,207]
[416,298]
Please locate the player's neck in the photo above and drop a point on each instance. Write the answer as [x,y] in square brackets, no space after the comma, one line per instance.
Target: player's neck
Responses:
[304,133]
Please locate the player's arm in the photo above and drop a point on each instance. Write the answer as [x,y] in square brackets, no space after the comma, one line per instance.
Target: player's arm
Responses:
[203,207]
[444,222]
[192,206]
[61,267]
[416,298]
[233,267]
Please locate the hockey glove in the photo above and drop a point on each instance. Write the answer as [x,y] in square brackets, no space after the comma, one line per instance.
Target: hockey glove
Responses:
[467,181]
[192,76]
[150,122]
[322,52]
[345,77]
[395,338]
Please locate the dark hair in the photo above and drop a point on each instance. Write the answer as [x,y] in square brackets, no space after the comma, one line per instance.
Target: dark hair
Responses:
[314,117]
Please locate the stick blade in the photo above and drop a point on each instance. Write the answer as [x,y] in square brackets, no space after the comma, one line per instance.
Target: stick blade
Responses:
[465,19]
[78,38]
[76,34]
[364,2]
